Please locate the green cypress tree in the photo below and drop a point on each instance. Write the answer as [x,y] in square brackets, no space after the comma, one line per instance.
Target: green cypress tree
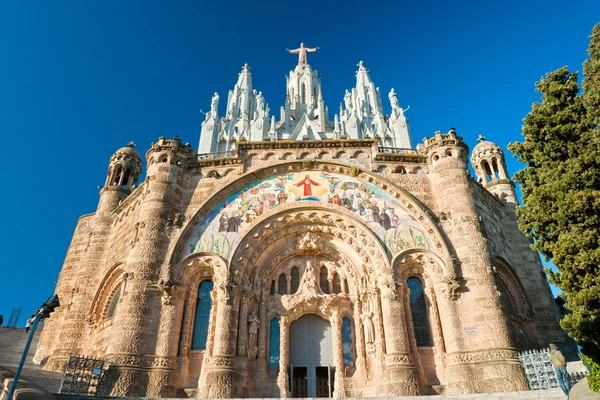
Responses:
[561,193]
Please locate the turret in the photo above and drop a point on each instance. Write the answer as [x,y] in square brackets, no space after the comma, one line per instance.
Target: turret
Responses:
[136,328]
[488,162]
[124,170]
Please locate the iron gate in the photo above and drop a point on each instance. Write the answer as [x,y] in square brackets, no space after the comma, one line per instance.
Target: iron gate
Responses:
[82,376]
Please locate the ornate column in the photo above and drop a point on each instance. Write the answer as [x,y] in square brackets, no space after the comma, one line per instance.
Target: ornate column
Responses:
[361,361]
[243,335]
[221,373]
[284,356]
[261,364]
[483,322]
[162,382]
[338,354]
[402,374]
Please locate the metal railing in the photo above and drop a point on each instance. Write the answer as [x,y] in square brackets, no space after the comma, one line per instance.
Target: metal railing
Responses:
[82,376]
[219,154]
[396,150]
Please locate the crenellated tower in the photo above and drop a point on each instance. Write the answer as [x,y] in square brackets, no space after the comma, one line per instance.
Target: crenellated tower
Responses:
[453,187]
[137,321]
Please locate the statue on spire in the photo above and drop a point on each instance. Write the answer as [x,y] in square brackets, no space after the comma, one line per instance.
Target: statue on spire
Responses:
[301,51]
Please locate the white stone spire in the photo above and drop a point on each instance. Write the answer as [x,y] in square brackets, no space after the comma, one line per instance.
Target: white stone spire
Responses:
[245,118]
[304,115]
[363,116]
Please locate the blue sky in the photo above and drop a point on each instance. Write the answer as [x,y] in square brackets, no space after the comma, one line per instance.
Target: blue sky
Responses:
[80,79]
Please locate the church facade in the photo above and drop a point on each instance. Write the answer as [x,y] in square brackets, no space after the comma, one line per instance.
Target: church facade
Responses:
[303,257]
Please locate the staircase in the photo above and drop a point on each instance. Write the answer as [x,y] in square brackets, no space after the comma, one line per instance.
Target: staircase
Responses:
[12,343]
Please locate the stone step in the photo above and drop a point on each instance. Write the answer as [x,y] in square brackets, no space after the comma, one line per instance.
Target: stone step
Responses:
[12,344]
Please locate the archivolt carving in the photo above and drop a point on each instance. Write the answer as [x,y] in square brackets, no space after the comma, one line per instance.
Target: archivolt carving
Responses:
[200,265]
[281,256]
[360,239]
[113,278]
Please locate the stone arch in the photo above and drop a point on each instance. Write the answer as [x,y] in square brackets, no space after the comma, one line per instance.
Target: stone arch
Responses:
[281,228]
[189,274]
[417,209]
[432,264]
[112,280]
[505,272]
[518,312]
[199,265]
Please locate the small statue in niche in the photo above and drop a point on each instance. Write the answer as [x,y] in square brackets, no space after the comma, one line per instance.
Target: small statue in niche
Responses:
[308,280]
[369,327]
[253,323]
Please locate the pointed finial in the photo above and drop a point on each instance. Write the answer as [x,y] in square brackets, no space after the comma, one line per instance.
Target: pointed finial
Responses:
[131,144]
[245,67]
[481,138]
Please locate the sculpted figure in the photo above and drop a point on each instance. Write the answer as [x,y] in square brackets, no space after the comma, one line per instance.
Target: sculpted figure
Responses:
[393,99]
[301,51]
[309,276]
[253,323]
[260,103]
[214,103]
[369,327]
[348,99]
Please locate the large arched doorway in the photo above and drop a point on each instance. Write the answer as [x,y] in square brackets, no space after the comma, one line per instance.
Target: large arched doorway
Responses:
[311,357]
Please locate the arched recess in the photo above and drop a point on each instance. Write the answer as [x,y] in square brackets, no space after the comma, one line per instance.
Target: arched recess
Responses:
[291,238]
[433,275]
[114,283]
[515,305]
[190,273]
[414,206]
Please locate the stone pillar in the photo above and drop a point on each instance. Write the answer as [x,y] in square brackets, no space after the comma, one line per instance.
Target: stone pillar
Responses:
[243,335]
[361,354]
[135,330]
[261,364]
[338,354]
[284,356]
[488,343]
[401,378]
[221,374]
[166,343]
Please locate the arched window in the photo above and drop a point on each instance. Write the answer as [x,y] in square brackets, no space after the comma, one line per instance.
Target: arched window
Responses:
[323,282]
[295,279]
[495,169]
[201,322]
[487,171]
[418,311]
[274,343]
[112,308]
[272,290]
[337,283]
[347,340]
[504,296]
[125,181]
[117,176]
[303,93]
[282,284]
[346,288]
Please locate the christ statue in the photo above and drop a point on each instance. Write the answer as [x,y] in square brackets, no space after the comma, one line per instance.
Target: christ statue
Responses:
[301,51]
[307,182]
